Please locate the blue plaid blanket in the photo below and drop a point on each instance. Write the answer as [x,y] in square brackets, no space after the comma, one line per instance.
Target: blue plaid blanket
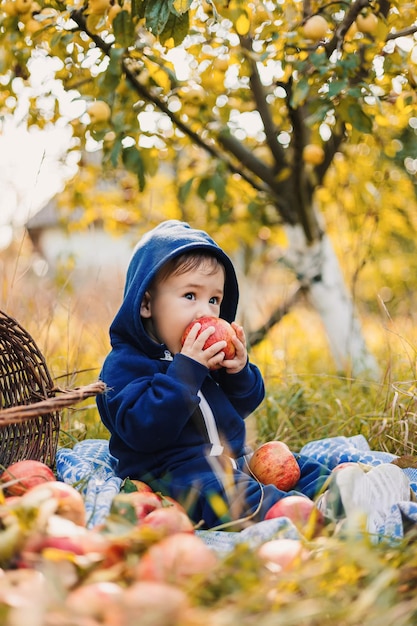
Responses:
[90,467]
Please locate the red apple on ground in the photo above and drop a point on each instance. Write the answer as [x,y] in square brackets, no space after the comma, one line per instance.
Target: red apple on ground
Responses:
[101,601]
[155,603]
[175,559]
[168,502]
[143,503]
[281,554]
[342,465]
[223,332]
[70,503]
[274,464]
[22,475]
[168,521]
[141,486]
[301,511]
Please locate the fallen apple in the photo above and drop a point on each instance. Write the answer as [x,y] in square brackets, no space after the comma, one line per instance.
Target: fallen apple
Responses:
[168,521]
[281,554]
[168,502]
[142,502]
[223,331]
[23,475]
[175,559]
[339,467]
[70,503]
[301,511]
[155,603]
[100,601]
[140,485]
[273,463]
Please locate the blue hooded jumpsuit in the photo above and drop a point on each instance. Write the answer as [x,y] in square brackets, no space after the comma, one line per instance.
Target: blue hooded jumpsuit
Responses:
[155,404]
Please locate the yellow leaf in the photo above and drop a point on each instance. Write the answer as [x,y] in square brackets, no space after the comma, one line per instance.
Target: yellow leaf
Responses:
[182,6]
[242,24]
[161,78]
[218,505]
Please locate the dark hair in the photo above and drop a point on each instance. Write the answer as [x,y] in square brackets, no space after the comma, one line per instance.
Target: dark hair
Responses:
[186,262]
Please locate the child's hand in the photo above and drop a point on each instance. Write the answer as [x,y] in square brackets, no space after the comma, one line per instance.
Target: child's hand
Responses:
[235,365]
[213,356]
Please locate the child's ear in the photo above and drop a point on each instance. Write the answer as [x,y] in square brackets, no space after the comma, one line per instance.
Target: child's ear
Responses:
[145,307]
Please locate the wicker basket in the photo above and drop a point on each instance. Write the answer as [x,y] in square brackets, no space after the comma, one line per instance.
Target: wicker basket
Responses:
[29,404]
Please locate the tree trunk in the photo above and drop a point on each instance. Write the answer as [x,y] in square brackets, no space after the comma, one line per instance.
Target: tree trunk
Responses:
[318,270]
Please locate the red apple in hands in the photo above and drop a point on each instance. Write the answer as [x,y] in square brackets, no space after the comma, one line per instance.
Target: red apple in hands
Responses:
[301,511]
[274,464]
[223,332]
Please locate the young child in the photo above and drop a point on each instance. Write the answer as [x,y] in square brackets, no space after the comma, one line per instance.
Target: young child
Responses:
[175,422]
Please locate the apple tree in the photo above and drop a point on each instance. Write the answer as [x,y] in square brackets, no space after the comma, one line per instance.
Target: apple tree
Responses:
[252,105]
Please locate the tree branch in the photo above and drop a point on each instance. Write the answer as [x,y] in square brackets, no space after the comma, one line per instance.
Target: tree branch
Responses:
[339,35]
[262,106]
[256,166]
[141,90]
[276,316]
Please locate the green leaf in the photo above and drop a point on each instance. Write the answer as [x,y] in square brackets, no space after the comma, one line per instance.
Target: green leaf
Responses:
[157,14]
[133,161]
[316,116]
[176,27]
[219,186]
[299,93]
[111,78]
[126,510]
[336,86]
[115,153]
[359,119]
[123,29]
[138,8]
[185,189]
[203,188]
[128,486]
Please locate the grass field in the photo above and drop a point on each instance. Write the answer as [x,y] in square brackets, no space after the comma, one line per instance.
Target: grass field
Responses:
[347,582]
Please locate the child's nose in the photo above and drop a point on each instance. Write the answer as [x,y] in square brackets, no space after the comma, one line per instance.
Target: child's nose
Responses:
[204,310]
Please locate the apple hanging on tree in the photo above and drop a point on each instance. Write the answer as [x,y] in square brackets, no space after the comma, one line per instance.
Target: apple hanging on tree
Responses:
[273,463]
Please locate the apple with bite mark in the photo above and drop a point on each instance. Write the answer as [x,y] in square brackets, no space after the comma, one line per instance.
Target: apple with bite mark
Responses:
[273,463]
[301,511]
[223,332]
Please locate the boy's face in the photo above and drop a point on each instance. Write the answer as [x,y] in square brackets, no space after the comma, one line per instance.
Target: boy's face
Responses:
[180,299]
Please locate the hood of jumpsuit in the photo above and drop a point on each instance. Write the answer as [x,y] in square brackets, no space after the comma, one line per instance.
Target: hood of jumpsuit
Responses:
[159,245]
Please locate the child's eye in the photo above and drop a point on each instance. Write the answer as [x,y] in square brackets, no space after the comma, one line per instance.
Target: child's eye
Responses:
[214,300]
[189,296]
